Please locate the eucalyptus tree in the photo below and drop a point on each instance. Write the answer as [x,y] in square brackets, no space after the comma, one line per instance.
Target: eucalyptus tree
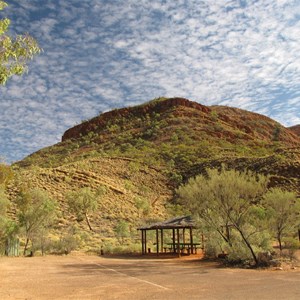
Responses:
[82,202]
[36,213]
[15,52]
[3,208]
[8,227]
[229,202]
[283,209]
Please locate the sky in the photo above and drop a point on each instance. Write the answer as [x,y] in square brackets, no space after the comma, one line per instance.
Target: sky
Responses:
[104,54]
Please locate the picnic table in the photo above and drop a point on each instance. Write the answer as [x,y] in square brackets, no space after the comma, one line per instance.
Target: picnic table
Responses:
[188,247]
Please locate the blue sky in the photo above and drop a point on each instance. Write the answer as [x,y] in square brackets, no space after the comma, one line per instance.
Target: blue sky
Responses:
[104,54]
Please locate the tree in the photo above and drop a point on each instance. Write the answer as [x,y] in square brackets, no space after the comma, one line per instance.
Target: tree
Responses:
[283,210]
[36,213]
[3,207]
[142,205]
[8,227]
[82,202]
[6,174]
[122,230]
[14,52]
[229,202]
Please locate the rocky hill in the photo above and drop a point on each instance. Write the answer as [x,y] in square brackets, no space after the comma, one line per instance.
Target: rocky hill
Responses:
[154,107]
[296,129]
[141,154]
[169,130]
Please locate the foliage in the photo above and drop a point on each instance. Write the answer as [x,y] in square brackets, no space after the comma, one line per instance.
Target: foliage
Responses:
[6,174]
[110,248]
[3,207]
[82,202]
[3,202]
[292,245]
[8,228]
[276,133]
[122,231]
[67,242]
[142,205]
[36,213]
[214,115]
[283,213]
[14,52]
[229,202]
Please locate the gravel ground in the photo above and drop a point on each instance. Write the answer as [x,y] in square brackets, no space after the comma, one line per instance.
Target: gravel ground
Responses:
[92,277]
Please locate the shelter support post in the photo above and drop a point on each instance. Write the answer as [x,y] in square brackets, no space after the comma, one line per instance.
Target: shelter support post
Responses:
[174,240]
[142,232]
[178,243]
[191,240]
[157,243]
[161,240]
[144,242]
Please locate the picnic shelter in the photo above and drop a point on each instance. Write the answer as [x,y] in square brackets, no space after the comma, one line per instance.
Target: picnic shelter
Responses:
[182,240]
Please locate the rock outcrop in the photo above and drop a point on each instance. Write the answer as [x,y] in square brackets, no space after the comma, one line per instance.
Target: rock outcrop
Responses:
[141,110]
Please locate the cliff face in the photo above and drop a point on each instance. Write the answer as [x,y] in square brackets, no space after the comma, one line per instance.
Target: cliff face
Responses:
[137,111]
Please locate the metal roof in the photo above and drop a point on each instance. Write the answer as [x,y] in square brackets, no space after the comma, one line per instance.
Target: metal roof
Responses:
[178,222]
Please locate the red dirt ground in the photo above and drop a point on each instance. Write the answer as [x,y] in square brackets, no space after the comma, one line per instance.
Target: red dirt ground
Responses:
[93,277]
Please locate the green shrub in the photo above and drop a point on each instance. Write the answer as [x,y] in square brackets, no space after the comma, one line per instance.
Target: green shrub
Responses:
[292,245]
[65,244]
[133,248]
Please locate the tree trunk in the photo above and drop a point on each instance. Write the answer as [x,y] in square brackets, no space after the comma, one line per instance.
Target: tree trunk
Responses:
[248,245]
[225,238]
[88,221]
[280,243]
[26,245]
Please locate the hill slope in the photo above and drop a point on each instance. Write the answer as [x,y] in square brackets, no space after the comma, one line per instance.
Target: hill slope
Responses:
[141,154]
[172,130]
[296,129]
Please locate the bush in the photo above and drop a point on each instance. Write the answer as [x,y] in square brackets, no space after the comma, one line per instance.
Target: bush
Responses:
[292,245]
[65,245]
[121,249]
[122,231]
[70,241]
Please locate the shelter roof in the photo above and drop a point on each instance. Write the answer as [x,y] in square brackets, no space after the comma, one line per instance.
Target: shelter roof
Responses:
[178,222]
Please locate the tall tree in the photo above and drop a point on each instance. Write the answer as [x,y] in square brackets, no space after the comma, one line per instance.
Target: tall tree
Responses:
[8,227]
[36,213]
[6,174]
[15,52]
[228,202]
[122,230]
[283,210]
[82,202]
[3,207]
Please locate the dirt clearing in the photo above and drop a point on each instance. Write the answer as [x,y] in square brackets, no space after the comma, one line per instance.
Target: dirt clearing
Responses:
[93,277]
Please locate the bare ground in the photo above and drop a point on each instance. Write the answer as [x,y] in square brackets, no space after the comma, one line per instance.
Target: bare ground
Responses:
[93,277]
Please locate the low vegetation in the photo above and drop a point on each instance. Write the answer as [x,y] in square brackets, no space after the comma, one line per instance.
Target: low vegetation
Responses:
[239,208]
